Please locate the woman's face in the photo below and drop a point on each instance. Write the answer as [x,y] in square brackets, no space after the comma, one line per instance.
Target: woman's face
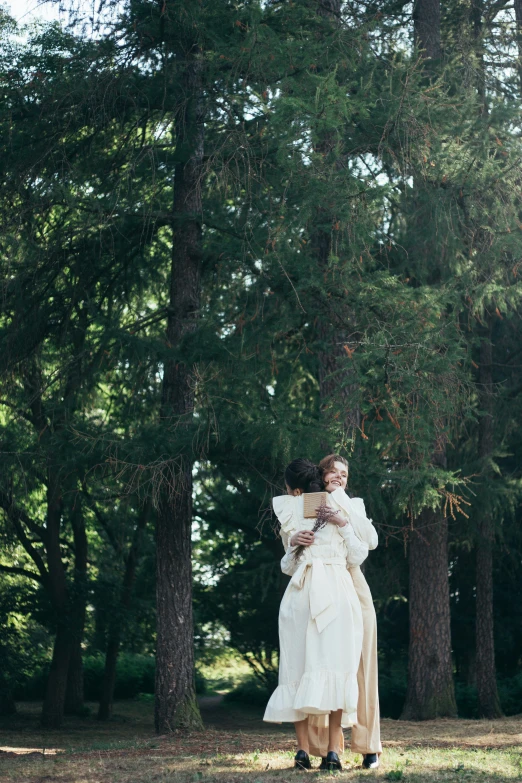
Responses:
[336,477]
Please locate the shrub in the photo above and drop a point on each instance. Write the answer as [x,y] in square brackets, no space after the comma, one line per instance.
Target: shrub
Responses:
[392,693]
[33,687]
[466,698]
[250,691]
[510,692]
[134,675]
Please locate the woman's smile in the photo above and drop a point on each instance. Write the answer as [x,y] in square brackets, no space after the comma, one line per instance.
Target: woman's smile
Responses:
[336,477]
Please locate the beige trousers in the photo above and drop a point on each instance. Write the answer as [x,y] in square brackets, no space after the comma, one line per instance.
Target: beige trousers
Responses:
[366,736]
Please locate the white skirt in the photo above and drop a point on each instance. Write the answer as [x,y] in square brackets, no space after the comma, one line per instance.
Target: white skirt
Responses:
[320,636]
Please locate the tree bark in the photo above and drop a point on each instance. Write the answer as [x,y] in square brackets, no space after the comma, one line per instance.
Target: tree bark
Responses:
[488,700]
[337,383]
[430,691]
[518,19]
[176,705]
[74,696]
[426,27]
[54,701]
[109,677]
[68,605]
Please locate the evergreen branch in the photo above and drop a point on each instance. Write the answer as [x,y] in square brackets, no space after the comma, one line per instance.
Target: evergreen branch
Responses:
[116,545]
[19,411]
[148,320]
[493,10]
[7,504]
[222,230]
[18,517]
[233,523]
[21,572]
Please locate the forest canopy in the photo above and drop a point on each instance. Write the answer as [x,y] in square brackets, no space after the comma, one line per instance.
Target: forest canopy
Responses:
[236,233]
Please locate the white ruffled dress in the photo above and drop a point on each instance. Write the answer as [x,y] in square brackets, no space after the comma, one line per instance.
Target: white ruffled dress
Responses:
[320,620]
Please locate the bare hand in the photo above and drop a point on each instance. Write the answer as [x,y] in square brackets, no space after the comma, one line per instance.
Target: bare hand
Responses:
[303,538]
[334,518]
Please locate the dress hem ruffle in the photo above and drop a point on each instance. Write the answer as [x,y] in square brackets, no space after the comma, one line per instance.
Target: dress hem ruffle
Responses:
[316,693]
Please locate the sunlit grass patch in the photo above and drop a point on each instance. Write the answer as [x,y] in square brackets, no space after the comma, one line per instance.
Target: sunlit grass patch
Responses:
[127,751]
[225,673]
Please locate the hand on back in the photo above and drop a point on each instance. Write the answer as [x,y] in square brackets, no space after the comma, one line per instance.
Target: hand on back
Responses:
[302,538]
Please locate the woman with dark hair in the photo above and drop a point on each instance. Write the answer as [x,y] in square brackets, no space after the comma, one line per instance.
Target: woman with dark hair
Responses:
[320,622]
[303,473]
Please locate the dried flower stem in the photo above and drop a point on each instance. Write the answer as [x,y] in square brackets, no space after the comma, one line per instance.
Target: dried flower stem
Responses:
[324,513]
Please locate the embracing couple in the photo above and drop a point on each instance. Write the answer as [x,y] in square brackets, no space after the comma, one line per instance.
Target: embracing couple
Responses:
[327,624]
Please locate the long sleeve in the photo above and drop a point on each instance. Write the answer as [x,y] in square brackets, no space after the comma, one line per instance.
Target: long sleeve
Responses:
[356,550]
[285,538]
[284,510]
[354,512]
[288,563]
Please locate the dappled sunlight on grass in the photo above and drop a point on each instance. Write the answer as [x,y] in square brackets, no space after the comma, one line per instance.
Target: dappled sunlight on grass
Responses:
[126,751]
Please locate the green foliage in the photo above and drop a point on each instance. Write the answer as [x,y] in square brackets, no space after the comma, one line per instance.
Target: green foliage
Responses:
[24,644]
[250,692]
[395,774]
[317,135]
[510,693]
[134,676]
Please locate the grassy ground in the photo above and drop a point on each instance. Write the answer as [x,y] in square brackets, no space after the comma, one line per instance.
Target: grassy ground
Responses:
[236,747]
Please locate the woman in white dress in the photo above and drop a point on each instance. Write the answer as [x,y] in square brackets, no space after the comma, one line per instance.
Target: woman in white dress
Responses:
[320,621]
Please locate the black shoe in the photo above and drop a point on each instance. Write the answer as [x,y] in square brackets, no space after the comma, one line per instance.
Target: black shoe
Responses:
[302,760]
[331,762]
[370,761]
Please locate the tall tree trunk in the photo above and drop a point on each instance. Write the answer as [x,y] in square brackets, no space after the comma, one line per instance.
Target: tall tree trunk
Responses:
[74,696]
[488,700]
[430,691]
[54,701]
[109,675]
[337,387]
[426,27]
[479,70]
[518,19]
[118,623]
[176,704]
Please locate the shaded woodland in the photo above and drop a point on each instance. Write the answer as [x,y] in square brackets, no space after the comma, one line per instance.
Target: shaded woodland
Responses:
[235,233]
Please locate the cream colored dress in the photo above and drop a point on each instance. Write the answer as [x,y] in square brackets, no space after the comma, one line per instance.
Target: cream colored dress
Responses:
[320,620]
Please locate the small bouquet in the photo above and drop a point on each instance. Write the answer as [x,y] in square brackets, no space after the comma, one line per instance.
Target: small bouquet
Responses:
[324,513]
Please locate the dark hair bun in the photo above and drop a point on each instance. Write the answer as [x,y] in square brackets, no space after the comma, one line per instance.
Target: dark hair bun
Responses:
[315,485]
[304,475]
